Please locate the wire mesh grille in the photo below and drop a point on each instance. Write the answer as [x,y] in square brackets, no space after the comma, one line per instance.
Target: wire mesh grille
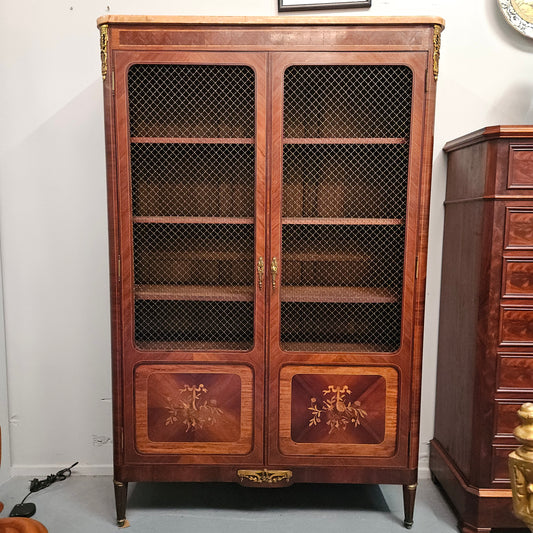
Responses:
[347,285]
[194,254]
[166,325]
[347,101]
[207,268]
[339,327]
[194,276]
[357,257]
[344,207]
[191,101]
[193,179]
[345,181]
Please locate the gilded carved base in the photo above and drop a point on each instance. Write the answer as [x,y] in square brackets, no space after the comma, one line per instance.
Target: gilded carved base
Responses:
[521,467]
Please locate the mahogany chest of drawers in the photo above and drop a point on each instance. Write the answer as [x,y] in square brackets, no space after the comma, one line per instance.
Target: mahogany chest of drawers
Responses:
[485,365]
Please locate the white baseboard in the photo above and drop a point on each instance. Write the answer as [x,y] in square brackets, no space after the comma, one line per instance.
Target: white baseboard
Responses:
[46,470]
[107,470]
[423,472]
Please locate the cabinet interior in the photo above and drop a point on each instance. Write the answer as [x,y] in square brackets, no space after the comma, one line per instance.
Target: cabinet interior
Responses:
[344,186]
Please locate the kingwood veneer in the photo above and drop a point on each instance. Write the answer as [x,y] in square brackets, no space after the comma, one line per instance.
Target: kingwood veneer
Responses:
[268,205]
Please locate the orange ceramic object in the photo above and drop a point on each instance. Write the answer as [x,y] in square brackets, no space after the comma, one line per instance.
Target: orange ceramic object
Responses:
[21,525]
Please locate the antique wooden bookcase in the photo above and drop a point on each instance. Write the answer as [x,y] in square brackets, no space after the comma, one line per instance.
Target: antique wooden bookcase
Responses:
[268,189]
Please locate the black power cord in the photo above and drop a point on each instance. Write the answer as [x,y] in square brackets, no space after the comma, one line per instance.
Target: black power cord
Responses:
[28,509]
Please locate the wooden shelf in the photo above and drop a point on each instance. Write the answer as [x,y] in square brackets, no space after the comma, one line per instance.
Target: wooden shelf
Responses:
[191,220]
[329,347]
[313,255]
[199,255]
[295,221]
[197,346]
[334,221]
[194,293]
[338,294]
[344,140]
[193,140]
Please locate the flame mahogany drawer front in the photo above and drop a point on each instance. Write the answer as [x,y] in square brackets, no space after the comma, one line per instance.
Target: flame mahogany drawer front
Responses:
[515,372]
[506,419]
[517,278]
[520,164]
[519,228]
[500,464]
[516,325]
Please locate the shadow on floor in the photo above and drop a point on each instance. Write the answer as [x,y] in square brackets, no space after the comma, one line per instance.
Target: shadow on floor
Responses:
[235,497]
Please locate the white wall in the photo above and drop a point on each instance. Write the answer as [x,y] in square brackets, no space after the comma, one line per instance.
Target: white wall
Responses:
[53,204]
[5,465]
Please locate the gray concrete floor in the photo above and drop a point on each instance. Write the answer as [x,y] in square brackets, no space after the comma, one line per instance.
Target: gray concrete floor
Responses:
[83,504]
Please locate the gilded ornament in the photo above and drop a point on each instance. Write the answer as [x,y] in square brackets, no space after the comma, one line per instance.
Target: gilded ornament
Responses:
[265,476]
[274,271]
[104,39]
[260,271]
[521,467]
[436,50]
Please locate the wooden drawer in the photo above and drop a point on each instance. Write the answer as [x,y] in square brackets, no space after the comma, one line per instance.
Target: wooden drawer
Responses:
[516,325]
[500,469]
[520,174]
[517,279]
[518,228]
[506,418]
[515,372]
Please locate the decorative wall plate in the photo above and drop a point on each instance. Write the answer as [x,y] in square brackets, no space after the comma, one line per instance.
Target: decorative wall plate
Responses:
[519,14]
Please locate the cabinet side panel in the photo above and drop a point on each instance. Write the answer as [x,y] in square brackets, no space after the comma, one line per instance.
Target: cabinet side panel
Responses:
[107,56]
[466,173]
[461,269]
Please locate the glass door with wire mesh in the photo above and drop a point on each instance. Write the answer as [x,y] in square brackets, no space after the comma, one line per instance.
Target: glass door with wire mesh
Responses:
[341,311]
[345,155]
[191,186]
[192,130]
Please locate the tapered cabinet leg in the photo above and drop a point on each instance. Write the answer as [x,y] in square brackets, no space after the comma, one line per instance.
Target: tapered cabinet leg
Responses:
[121,496]
[409,493]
